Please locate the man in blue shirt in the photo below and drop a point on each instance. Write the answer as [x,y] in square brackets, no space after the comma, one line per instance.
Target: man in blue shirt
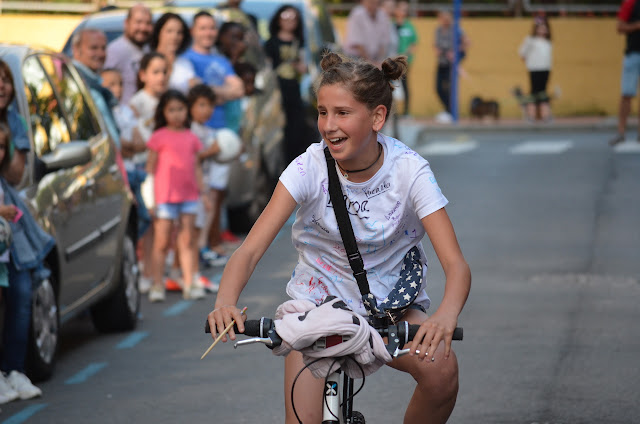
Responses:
[211,67]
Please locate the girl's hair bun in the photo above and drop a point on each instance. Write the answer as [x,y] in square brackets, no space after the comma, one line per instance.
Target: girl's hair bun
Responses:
[395,68]
[329,60]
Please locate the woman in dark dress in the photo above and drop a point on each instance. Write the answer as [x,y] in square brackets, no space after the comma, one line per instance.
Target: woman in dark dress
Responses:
[285,49]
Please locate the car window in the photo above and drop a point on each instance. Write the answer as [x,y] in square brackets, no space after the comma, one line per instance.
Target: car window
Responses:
[83,125]
[47,120]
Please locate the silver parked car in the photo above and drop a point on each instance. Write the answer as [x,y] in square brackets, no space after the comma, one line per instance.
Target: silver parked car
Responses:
[77,192]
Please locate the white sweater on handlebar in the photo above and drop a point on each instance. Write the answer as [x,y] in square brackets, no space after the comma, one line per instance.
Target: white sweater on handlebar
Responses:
[300,323]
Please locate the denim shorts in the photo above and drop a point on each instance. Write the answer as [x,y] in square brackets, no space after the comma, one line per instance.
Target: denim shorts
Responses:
[630,74]
[174,210]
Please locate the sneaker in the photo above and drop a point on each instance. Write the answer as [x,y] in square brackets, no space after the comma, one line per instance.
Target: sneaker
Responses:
[229,237]
[193,293]
[22,385]
[174,281]
[619,138]
[7,392]
[173,285]
[444,118]
[212,258]
[156,294]
[144,284]
[208,285]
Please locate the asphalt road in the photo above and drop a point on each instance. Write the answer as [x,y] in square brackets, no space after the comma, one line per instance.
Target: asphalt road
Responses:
[550,225]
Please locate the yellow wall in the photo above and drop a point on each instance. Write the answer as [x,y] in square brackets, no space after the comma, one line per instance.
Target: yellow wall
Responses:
[587,57]
[44,30]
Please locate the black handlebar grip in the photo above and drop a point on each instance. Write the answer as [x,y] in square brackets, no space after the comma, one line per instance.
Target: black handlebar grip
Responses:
[413,329]
[251,328]
[457,333]
[207,328]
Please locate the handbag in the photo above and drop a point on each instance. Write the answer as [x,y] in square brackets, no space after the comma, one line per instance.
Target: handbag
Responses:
[406,289]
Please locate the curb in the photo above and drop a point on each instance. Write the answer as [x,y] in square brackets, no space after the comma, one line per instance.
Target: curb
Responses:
[412,131]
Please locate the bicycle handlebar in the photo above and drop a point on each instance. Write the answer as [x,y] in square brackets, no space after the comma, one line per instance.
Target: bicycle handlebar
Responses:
[261,327]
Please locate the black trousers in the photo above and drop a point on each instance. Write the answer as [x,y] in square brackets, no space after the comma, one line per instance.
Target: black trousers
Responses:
[443,86]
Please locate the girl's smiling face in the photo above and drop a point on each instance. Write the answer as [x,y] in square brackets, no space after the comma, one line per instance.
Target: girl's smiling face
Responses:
[348,127]
[154,77]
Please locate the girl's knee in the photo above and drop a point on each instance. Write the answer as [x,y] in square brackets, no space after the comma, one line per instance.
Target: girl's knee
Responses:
[439,377]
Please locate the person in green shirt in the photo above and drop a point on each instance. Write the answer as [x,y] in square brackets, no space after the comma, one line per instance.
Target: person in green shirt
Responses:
[407,41]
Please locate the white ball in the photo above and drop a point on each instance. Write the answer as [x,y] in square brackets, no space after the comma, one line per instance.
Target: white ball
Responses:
[230,145]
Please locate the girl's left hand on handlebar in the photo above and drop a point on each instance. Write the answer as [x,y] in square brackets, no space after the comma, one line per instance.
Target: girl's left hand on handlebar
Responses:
[433,331]
[221,317]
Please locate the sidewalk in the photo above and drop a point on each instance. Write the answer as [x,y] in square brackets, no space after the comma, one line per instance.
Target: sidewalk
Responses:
[410,129]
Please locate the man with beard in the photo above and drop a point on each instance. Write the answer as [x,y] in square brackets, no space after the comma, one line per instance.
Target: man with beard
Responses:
[124,53]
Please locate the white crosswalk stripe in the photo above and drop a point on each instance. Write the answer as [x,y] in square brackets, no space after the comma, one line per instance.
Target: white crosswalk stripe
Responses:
[527,147]
[438,147]
[629,146]
[541,147]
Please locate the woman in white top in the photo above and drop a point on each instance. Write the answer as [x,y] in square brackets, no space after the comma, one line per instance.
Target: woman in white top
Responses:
[535,51]
[171,37]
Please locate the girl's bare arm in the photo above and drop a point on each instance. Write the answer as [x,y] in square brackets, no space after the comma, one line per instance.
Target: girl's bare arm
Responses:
[244,260]
[439,327]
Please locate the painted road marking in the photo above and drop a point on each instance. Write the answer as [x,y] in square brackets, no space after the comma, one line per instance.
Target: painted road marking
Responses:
[629,146]
[86,373]
[132,340]
[440,147]
[25,414]
[541,147]
[177,308]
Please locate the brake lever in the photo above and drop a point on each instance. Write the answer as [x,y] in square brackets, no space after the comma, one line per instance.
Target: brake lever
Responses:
[264,340]
[399,352]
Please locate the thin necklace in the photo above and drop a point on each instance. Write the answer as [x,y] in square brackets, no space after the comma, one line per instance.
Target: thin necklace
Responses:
[346,172]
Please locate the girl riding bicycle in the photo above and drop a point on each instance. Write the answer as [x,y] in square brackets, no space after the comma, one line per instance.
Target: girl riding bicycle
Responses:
[393,199]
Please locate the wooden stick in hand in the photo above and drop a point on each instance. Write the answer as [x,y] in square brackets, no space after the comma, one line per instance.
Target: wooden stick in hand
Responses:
[226,330]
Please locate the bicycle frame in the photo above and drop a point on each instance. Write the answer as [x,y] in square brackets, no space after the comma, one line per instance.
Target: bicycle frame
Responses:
[338,391]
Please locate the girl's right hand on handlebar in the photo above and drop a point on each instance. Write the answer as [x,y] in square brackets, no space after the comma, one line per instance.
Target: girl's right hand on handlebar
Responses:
[220,318]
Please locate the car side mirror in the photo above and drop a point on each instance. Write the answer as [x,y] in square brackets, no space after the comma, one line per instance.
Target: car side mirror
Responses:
[64,156]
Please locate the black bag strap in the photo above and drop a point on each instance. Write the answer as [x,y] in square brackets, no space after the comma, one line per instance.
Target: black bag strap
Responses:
[344,224]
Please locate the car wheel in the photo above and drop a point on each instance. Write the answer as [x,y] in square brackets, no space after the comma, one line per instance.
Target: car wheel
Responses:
[119,311]
[44,330]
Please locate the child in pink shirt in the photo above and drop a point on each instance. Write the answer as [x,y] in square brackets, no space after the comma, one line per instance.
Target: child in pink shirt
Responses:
[173,161]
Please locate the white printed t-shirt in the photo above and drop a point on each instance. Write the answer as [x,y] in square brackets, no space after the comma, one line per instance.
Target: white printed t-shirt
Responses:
[385,215]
